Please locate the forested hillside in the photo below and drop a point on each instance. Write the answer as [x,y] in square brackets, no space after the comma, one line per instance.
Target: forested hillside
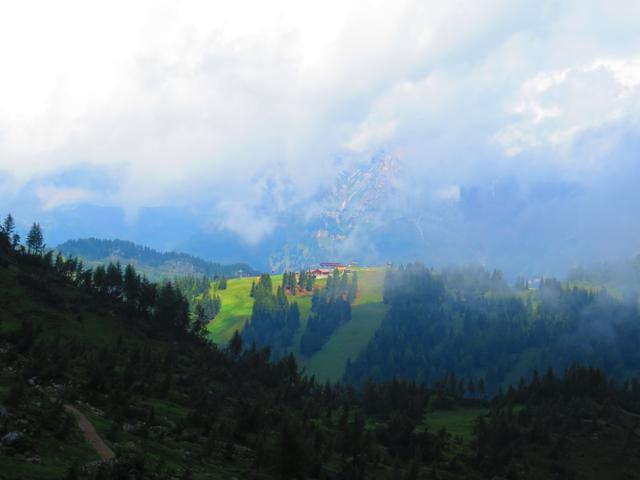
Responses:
[127,354]
[155,265]
[125,359]
[473,323]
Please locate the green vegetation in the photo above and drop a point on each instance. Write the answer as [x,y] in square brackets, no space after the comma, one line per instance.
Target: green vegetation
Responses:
[172,405]
[350,339]
[345,343]
[237,304]
[274,319]
[236,308]
[330,308]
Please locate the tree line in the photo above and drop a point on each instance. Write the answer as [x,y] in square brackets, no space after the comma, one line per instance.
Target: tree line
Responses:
[274,320]
[302,281]
[100,249]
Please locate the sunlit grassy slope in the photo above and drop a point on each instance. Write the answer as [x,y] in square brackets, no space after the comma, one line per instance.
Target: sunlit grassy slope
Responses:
[237,305]
[347,342]
[351,338]
[236,309]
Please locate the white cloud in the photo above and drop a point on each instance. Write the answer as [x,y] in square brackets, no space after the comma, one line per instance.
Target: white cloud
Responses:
[555,107]
[369,134]
[243,220]
[54,197]
[202,101]
[449,193]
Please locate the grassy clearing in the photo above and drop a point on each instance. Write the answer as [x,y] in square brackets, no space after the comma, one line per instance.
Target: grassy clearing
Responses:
[351,338]
[457,422]
[346,343]
[237,305]
[236,309]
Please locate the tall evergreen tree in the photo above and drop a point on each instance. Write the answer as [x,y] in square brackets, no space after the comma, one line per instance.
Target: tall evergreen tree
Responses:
[35,239]
[235,344]
[8,227]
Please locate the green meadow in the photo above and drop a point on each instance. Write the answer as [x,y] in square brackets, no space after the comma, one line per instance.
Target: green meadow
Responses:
[236,309]
[351,338]
[346,343]
[237,304]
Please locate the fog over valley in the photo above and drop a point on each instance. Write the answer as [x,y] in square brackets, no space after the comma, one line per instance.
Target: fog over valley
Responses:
[499,135]
[336,240]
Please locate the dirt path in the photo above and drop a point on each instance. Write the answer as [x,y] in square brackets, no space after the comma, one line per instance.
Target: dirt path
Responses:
[90,433]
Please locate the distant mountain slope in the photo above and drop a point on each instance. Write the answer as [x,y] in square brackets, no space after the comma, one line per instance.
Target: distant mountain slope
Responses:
[151,262]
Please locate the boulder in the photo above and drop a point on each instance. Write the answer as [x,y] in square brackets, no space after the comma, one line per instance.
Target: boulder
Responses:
[10,438]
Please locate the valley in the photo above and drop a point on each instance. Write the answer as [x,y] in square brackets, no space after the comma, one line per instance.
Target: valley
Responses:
[319,241]
[106,375]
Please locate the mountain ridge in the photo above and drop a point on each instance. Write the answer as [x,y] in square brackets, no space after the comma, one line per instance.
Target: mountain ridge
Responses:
[153,263]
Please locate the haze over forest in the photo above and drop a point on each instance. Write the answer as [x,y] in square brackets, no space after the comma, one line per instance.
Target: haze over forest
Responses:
[500,134]
[335,240]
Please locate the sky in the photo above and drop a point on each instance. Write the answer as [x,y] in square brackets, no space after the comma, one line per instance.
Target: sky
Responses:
[244,110]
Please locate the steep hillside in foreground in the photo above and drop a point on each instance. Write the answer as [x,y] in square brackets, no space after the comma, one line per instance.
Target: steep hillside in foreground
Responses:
[155,265]
[165,402]
[345,343]
[96,385]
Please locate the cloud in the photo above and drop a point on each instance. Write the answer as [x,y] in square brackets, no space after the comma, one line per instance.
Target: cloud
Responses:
[450,193]
[556,107]
[247,110]
[54,197]
[243,220]
[369,134]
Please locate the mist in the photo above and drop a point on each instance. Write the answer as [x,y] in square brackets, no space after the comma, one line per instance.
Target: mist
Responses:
[502,135]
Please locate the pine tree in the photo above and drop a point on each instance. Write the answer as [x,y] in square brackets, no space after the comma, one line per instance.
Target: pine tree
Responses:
[131,285]
[8,226]
[114,280]
[293,287]
[235,344]
[310,280]
[35,240]
[59,263]
[200,320]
